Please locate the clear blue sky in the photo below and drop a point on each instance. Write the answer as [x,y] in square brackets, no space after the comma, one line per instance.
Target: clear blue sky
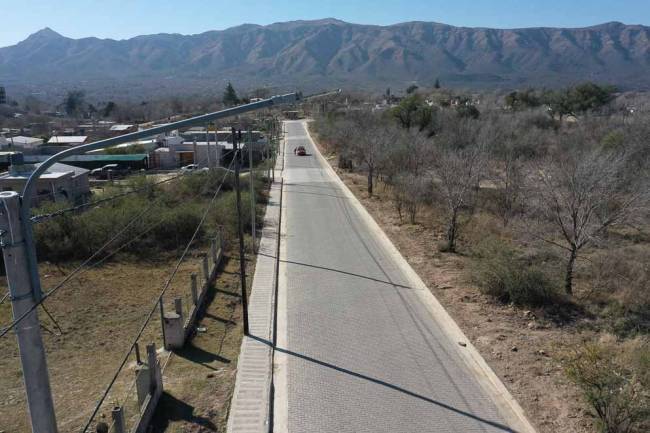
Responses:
[119,19]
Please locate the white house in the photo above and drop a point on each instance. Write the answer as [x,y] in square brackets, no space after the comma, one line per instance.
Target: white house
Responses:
[67,140]
[27,143]
[61,182]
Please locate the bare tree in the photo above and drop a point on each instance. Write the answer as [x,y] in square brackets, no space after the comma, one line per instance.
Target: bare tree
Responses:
[510,185]
[409,194]
[457,173]
[370,144]
[583,195]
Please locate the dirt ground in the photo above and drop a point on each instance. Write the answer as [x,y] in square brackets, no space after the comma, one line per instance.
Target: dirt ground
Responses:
[523,347]
[99,314]
[200,378]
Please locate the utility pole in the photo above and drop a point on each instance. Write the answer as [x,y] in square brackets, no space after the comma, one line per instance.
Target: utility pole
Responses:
[252,187]
[236,140]
[28,330]
[207,144]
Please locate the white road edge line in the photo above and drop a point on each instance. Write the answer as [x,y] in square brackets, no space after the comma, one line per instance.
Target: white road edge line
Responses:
[489,381]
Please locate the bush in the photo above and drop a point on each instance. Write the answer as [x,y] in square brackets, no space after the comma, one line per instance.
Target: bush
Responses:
[500,273]
[615,380]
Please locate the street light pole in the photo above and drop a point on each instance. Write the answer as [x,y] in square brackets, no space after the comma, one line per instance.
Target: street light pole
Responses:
[252,187]
[236,139]
[28,330]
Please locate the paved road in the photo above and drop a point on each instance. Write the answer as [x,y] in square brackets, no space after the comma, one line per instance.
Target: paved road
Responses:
[363,354]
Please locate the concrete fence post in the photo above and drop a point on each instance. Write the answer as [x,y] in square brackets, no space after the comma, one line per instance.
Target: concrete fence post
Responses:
[195,293]
[119,425]
[178,306]
[152,361]
[174,335]
[206,269]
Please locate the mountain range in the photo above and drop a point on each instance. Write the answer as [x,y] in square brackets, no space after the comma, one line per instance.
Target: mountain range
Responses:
[326,53]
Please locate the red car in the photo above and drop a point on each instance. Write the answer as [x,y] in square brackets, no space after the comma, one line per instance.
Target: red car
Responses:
[300,151]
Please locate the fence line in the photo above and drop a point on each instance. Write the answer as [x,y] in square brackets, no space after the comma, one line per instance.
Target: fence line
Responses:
[157,302]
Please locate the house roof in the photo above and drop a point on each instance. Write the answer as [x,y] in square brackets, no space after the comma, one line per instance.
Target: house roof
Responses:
[121,127]
[22,140]
[56,171]
[90,158]
[67,139]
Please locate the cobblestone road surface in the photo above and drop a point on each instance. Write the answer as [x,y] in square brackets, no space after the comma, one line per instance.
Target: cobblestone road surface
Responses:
[363,354]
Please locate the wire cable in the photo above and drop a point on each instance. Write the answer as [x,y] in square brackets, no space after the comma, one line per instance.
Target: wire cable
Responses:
[157,301]
[77,270]
[46,216]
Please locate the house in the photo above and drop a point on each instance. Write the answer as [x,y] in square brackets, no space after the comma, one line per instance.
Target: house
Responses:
[67,140]
[122,129]
[176,154]
[22,142]
[61,182]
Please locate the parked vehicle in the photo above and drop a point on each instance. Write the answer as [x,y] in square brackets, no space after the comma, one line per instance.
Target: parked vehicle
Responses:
[300,151]
[109,171]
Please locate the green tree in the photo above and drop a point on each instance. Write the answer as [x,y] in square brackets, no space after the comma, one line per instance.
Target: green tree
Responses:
[520,100]
[437,84]
[411,89]
[413,112]
[109,108]
[74,102]
[579,99]
[230,96]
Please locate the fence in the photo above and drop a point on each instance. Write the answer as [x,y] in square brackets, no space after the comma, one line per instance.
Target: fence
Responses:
[137,388]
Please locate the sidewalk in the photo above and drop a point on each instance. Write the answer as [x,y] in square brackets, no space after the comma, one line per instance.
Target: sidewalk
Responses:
[250,409]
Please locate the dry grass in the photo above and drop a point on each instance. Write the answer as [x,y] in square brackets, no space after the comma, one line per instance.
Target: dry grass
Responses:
[525,347]
[99,314]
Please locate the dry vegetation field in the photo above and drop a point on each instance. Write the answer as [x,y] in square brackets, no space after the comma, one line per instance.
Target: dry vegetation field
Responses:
[487,245]
[99,312]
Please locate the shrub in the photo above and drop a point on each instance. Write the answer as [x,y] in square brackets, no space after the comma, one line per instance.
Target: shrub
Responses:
[500,273]
[615,381]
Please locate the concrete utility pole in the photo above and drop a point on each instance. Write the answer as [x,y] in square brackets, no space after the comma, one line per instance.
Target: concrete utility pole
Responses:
[252,187]
[28,330]
[236,140]
[207,144]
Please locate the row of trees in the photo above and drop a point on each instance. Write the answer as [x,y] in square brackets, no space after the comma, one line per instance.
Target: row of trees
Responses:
[572,182]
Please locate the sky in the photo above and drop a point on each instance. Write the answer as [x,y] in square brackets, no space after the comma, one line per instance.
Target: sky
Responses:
[121,19]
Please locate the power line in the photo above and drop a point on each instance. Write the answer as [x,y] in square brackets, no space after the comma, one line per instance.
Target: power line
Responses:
[77,270]
[157,302]
[83,265]
[46,216]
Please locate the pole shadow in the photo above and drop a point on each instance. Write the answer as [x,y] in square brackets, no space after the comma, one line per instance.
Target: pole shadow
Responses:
[437,403]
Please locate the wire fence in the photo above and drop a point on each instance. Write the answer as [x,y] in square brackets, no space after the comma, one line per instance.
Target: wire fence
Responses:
[158,306]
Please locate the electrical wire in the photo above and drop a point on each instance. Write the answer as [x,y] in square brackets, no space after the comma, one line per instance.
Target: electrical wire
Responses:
[158,299]
[46,216]
[4,298]
[84,265]
[77,270]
